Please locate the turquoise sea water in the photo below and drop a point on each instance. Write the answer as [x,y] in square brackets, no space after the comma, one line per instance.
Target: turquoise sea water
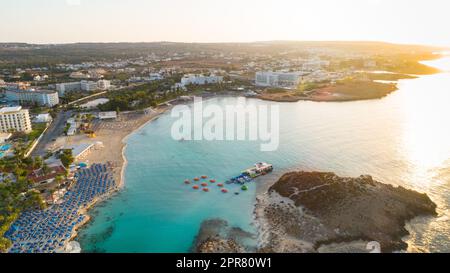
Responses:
[402,139]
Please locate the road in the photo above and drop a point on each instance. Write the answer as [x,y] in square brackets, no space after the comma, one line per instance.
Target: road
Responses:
[55,130]
[88,97]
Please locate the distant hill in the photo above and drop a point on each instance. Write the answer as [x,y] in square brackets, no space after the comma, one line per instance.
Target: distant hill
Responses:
[22,53]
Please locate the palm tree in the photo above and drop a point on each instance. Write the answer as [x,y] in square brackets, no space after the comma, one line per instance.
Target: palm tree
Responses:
[38,162]
[45,168]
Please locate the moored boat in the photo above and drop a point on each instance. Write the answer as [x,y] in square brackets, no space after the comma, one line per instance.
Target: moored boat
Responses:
[249,174]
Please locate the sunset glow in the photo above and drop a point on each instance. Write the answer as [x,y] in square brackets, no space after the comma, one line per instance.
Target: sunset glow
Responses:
[59,21]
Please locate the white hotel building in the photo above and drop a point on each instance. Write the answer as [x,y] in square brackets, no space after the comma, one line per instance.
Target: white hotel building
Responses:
[62,88]
[278,79]
[31,96]
[14,119]
[200,79]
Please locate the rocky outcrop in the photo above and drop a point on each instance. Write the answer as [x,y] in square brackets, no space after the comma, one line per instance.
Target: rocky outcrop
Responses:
[313,211]
[219,245]
[216,236]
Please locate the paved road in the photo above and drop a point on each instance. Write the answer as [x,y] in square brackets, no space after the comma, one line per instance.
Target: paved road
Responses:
[87,98]
[55,130]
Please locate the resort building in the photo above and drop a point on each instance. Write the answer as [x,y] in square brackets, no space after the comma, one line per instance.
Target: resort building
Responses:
[14,119]
[31,96]
[199,79]
[17,85]
[278,79]
[41,177]
[107,115]
[62,88]
[88,86]
[82,150]
[104,84]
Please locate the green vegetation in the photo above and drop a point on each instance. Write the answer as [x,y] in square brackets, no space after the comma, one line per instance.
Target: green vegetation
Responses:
[351,89]
[16,196]
[275,90]
[66,158]
[387,76]
[141,97]
[38,129]
[23,142]
[66,128]
[308,86]
[208,87]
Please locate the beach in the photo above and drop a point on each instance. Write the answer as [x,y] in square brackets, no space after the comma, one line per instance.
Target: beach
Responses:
[113,135]
[94,184]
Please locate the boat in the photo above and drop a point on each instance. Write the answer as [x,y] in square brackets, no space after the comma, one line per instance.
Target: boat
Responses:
[224,190]
[205,189]
[240,179]
[249,174]
[187,182]
[261,168]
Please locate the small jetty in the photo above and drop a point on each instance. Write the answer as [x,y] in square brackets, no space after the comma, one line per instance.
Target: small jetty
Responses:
[261,168]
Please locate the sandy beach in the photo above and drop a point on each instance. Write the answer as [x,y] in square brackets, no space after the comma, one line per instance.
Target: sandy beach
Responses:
[113,135]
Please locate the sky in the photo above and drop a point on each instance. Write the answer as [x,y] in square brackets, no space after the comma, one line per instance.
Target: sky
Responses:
[67,21]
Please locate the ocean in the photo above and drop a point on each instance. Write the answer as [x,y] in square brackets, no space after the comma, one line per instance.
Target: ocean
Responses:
[402,139]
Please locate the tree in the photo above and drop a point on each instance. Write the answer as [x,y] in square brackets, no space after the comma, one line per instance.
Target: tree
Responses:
[66,158]
[59,179]
[37,162]
[45,168]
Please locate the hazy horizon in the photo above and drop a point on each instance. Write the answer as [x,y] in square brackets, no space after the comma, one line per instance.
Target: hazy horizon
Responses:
[414,22]
[227,42]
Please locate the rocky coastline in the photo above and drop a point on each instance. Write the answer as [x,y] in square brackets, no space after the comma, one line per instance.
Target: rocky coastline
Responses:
[306,212]
[316,211]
